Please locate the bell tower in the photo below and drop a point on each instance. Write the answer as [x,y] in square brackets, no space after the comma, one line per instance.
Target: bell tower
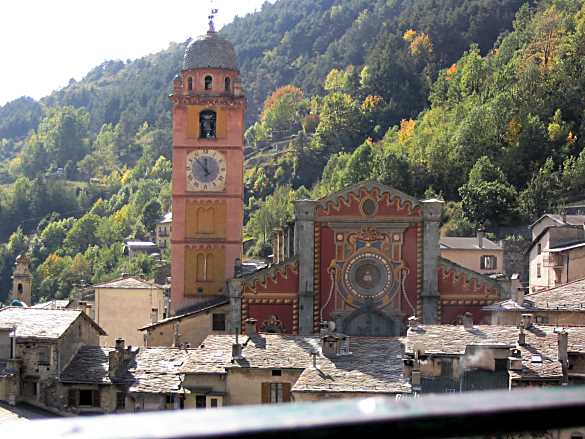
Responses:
[208,106]
[21,281]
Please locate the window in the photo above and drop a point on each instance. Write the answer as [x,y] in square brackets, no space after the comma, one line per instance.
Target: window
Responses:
[276,372]
[488,262]
[44,355]
[190,84]
[274,393]
[19,288]
[87,398]
[228,84]
[214,403]
[538,273]
[218,322]
[200,402]
[208,82]
[539,249]
[120,400]
[208,124]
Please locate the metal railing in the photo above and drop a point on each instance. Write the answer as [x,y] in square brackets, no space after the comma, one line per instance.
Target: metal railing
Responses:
[433,416]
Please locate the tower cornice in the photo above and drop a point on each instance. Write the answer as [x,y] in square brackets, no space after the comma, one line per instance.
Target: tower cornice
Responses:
[225,101]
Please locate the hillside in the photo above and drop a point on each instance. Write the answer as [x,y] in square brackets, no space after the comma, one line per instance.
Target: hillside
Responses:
[352,73]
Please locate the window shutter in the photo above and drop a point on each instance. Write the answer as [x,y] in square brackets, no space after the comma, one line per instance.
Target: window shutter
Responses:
[286,392]
[72,398]
[265,393]
[96,398]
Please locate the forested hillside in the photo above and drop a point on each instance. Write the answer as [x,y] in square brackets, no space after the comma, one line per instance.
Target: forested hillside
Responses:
[458,99]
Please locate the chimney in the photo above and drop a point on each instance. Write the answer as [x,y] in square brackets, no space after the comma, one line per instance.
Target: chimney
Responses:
[416,378]
[176,335]
[330,345]
[563,342]
[412,322]
[83,307]
[236,348]
[13,343]
[515,360]
[468,321]
[116,359]
[527,320]
[251,326]
[314,354]
[238,268]
[480,236]
[517,289]
[154,315]
[521,337]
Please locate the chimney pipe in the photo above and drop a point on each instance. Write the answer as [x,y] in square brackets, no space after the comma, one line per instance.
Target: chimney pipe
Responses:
[13,343]
[412,322]
[521,337]
[563,343]
[120,344]
[251,326]
[468,321]
[480,236]
[527,320]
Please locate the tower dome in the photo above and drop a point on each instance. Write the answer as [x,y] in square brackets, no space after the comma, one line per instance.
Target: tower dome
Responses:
[210,51]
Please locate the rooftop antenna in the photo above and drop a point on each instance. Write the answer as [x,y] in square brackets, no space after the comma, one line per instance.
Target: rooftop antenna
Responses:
[211,18]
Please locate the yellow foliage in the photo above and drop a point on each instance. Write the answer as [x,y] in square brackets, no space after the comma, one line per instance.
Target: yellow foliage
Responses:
[371,103]
[421,44]
[126,176]
[409,35]
[555,131]
[406,129]
[513,131]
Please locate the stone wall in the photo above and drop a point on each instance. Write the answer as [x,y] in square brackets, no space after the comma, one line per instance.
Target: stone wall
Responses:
[516,258]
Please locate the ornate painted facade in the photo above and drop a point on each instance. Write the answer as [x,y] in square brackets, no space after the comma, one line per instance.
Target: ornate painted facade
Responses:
[365,258]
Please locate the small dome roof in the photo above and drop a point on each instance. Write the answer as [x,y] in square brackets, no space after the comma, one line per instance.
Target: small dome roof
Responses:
[210,51]
[17,302]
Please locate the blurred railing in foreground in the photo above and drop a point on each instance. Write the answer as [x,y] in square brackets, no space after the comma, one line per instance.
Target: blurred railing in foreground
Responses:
[436,416]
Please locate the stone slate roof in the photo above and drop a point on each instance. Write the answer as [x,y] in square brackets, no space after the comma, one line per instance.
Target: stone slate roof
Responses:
[150,370]
[461,243]
[168,218]
[375,364]
[454,340]
[210,51]
[45,324]
[130,283]
[190,311]
[53,304]
[568,297]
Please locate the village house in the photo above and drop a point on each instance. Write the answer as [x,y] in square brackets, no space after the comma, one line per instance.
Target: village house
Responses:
[479,253]
[163,231]
[122,379]
[442,359]
[272,368]
[560,306]
[36,345]
[124,305]
[191,325]
[557,253]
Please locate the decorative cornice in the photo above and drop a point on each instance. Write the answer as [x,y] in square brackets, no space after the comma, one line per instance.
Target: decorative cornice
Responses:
[211,101]
[261,277]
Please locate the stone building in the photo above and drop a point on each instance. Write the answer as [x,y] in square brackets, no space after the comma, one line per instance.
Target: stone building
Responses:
[191,326]
[557,252]
[559,306]
[163,232]
[35,347]
[479,357]
[478,254]
[125,305]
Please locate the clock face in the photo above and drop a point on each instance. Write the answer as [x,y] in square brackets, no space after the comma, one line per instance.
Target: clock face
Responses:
[206,171]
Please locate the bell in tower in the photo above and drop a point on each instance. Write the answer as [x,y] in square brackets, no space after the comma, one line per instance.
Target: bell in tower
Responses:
[208,106]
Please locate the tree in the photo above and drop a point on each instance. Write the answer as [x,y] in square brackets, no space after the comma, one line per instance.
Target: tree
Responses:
[82,234]
[151,215]
[487,197]
[543,193]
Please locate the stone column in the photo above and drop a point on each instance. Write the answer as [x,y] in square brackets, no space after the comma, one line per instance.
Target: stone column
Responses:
[234,287]
[431,253]
[304,236]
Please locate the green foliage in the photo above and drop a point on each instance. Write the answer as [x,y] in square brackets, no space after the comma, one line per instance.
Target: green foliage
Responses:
[487,197]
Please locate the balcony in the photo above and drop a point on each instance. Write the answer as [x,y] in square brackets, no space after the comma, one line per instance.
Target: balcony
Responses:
[434,416]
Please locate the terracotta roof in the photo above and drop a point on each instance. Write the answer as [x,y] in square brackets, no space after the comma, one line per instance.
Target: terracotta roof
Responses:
[190,311]
[568,297]
[130,283]
[150,370]
[541,341]
[461,243]
[41,323]
[375,364]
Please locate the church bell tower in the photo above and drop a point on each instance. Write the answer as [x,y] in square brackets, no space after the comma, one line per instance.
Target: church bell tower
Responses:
[208,105]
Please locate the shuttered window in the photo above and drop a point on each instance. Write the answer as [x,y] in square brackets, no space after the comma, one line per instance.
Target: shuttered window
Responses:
[274,393]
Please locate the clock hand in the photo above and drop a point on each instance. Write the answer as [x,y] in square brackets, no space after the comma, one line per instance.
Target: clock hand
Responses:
[203,166]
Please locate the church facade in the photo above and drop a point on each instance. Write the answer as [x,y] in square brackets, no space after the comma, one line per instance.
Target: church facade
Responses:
[362,260]
[366,259]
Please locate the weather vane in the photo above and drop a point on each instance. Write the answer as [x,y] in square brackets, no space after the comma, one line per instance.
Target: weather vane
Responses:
[212,17]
